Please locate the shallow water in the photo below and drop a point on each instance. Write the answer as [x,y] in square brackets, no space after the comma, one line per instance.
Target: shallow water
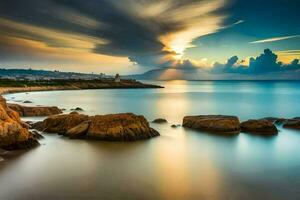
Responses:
[180,164]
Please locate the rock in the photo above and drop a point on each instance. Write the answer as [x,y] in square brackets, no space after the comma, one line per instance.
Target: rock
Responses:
[175,125]
[259,126]
[115,127]
[79,130]
[159,121]
[74,113]
[213,123]
[26,111]
[37,126]
[120,127]
[77,109]
[36,135]
[27,101]
[14,134]
[62,123]
[292,123]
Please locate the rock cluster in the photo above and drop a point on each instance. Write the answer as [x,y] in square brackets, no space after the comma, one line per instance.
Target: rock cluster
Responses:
[231,125]
[116,127]
[213,123]
[14,134]
[30,111]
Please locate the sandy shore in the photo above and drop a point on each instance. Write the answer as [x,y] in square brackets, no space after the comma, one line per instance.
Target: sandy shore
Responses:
[7,90]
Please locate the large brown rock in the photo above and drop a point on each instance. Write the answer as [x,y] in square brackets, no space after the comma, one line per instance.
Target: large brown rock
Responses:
[14,134]
[213,123]
[121,127]
[116,127]
[259,126]
[30,111]
[62,123]
[292,123]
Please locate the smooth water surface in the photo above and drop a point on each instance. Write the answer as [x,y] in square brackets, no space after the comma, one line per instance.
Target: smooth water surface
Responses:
[180,164]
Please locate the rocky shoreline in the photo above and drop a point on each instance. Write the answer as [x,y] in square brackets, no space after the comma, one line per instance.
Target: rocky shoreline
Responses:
[15,134]
[80,85]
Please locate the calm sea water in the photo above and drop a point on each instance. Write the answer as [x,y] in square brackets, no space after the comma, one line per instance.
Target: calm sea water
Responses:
[180,164]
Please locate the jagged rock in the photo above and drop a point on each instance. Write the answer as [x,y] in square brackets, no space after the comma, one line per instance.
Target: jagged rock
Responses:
[159,121]
[79,130]
[26,111]
[213,123]
[37,135]
[292,123]
[14,134]
[259,126]
[116,127]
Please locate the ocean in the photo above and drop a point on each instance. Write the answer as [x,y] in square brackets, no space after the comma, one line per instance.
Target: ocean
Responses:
[181,164]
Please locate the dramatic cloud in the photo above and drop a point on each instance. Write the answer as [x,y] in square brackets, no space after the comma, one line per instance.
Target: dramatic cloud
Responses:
[264,66]
[265,63]
[148,32]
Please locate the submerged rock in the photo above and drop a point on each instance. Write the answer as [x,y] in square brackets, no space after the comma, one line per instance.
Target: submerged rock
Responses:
[159,121]
[175,125]
[26,111]
[292,123]
[213,123]
[27,101]
[77,109]
[259,126]
[14,134]
[116,127]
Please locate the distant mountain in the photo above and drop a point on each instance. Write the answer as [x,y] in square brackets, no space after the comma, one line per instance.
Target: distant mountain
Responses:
[200,74]
[172,74]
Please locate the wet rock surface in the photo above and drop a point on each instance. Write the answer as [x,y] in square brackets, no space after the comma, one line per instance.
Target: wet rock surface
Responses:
[14,134]
[259,126]
[115,127]
[213,123]
[34,111]
[292,123]
[159,121]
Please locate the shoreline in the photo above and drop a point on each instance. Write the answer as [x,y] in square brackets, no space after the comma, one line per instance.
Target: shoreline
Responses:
[81,85]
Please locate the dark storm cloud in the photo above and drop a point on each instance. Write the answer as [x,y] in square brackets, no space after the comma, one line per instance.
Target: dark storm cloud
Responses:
[126,32]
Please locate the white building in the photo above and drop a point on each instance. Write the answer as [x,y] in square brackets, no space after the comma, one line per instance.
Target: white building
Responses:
[117,78]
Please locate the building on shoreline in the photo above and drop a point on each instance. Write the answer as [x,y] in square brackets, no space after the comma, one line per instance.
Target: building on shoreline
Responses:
[117,78]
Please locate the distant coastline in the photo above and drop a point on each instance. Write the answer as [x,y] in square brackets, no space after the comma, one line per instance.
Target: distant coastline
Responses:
[10,86]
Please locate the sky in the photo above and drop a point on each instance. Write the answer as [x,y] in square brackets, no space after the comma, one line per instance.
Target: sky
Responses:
[217,37]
